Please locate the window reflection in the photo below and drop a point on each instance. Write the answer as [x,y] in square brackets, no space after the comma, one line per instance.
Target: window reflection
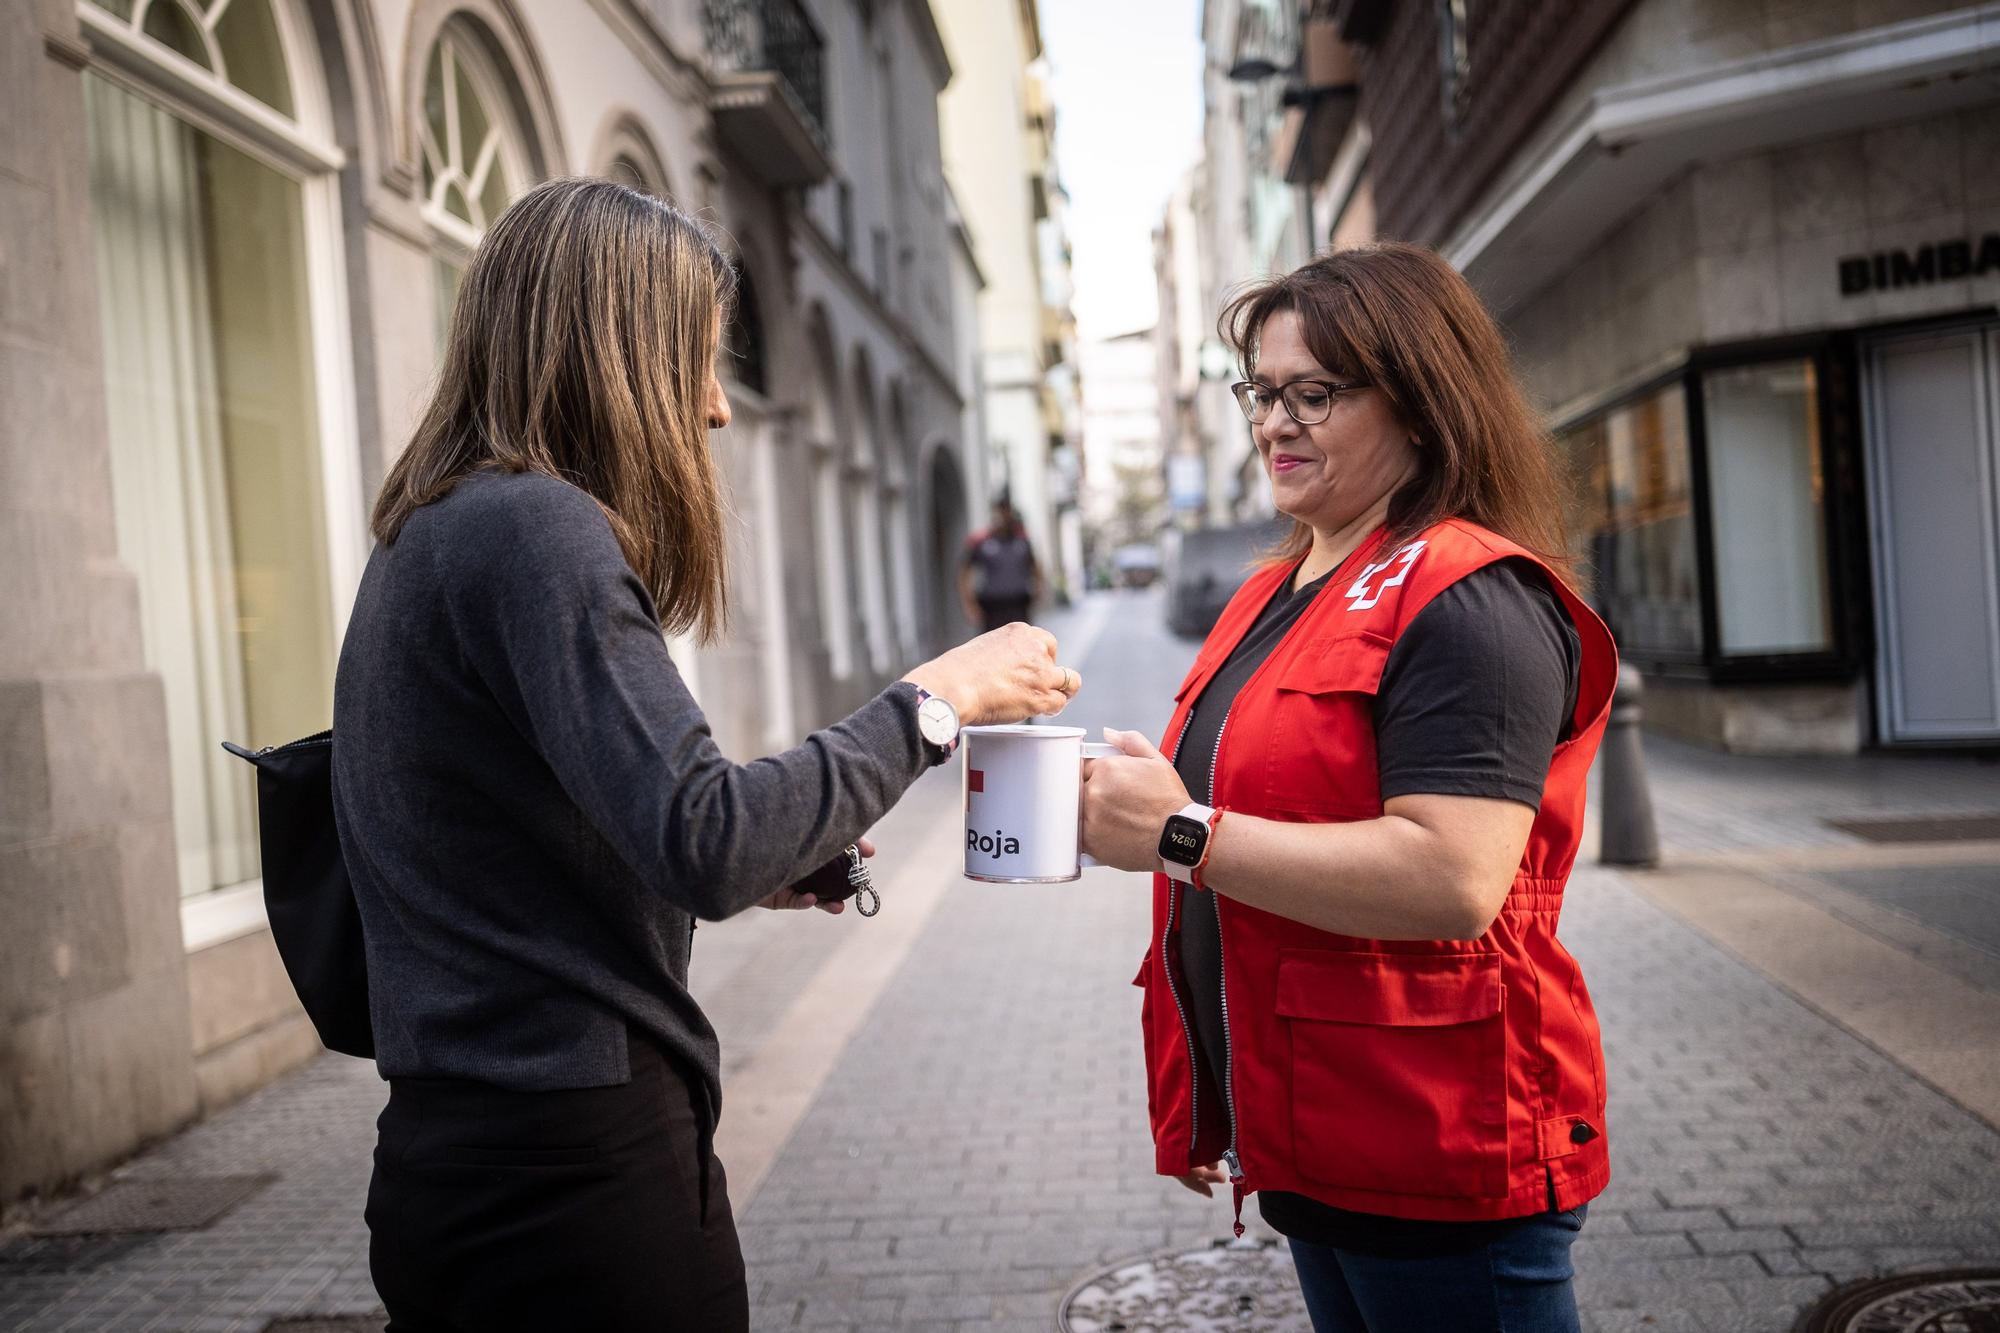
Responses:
[1633,514]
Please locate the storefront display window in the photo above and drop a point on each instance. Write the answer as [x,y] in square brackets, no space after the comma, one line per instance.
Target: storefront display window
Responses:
[1702,535]
[1766,495]
[1642,542]
[1585,496]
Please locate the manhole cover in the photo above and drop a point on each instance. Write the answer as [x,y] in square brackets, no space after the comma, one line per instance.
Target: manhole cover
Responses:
[1966,1300]
[1245,1286]
[1958,828]
[178,1203]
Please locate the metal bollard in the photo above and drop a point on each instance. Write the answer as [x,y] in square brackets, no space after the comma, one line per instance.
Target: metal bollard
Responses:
[1626,835]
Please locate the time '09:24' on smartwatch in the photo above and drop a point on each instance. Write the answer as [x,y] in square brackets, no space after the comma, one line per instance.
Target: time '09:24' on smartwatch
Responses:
[1184,842]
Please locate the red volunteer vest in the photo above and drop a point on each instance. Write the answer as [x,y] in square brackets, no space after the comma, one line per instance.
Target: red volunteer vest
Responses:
[1437,1079]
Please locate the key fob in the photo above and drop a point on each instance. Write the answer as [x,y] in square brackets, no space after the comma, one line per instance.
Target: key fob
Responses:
[845,876]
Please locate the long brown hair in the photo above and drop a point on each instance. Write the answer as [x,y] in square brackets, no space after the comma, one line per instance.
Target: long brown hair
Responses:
[1401,319]
[581,348]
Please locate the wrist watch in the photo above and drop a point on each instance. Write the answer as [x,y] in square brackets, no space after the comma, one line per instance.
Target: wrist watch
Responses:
[937,724]
[1184,842]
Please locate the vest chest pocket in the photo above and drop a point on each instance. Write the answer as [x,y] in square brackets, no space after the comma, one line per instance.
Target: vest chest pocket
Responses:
[1399,1070]
[1319,753]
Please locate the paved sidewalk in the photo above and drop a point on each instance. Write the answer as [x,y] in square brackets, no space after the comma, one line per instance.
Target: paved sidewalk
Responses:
[1709,803]
[1762,1152]
[979,1143]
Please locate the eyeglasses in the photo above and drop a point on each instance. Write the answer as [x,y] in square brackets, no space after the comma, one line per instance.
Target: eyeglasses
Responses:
[1309,402]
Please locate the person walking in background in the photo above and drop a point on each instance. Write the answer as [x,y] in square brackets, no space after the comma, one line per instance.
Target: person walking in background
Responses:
[999,579]
[1371,796]
[530,805]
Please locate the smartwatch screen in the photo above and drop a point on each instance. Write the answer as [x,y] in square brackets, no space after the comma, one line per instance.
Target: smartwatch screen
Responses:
[1182,840]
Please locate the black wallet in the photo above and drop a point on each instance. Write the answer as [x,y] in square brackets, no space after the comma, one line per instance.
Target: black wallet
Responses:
[844,877]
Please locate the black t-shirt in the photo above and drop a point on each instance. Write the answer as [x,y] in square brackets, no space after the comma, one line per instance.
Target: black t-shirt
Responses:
[1472,701]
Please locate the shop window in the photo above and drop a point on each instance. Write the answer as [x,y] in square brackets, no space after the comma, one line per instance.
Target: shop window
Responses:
[1654,593]
[1633,518]
[1585,512]
[1766,495]
[216,416]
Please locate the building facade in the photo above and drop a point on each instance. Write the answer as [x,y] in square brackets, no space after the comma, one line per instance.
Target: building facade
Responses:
[233,236]
[1233,218]
[1235,221]
[999,148]
[1124,480]
[1749,258]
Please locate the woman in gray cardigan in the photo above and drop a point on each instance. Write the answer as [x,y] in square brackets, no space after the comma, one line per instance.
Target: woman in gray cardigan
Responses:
[531,807]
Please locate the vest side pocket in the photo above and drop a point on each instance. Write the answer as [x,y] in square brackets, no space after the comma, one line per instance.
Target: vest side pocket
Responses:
[1398,1070]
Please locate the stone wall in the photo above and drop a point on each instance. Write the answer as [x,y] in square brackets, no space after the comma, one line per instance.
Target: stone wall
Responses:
[95,1051]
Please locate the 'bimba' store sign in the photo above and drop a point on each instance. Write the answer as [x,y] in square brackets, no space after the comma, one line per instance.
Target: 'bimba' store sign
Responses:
[1944,261]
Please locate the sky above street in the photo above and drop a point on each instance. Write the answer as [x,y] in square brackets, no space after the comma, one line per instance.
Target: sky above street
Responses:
[1126,75]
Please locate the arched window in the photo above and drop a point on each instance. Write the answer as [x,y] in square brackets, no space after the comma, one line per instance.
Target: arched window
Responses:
[629,157]
[626,170]
[235,481]
[473,161]
[468,177]
[236,41]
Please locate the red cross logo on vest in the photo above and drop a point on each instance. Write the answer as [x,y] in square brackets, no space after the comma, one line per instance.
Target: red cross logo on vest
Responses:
[1367,590]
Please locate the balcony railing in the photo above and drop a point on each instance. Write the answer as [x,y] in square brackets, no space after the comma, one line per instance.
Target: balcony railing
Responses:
[778,36]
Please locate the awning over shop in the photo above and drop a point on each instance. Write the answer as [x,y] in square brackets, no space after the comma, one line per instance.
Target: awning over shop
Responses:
[1623,143]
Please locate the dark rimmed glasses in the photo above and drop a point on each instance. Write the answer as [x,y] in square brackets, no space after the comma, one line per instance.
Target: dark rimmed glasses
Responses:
[1309,402]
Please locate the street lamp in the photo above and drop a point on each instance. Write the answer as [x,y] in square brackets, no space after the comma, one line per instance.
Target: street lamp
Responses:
[1256,69]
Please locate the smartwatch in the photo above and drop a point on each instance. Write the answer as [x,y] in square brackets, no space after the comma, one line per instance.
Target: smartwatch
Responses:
[1184,843]
[937,724]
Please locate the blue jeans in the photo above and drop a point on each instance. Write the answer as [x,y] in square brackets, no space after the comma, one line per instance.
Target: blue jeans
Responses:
[1512,1278]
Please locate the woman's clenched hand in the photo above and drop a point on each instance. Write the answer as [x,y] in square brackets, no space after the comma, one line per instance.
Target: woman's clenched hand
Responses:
[1005,675]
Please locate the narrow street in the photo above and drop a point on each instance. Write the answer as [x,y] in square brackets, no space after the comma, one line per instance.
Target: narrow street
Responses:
[935,1118]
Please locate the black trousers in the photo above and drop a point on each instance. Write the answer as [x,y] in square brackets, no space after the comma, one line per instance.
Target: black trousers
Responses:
[598,1208]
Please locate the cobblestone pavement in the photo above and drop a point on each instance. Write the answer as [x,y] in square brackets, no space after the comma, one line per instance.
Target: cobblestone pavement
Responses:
[980,1144]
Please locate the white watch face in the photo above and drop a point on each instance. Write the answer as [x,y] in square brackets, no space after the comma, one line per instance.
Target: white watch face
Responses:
[937,722]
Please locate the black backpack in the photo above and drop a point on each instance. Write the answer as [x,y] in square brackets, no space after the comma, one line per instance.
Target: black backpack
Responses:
[307,894]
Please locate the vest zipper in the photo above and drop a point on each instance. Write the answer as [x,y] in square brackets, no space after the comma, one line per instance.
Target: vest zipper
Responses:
[1230,1160]
[1173,987]
[1229,1157]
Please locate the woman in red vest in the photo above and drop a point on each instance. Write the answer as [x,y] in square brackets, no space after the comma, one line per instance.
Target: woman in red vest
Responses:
[1370,799]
